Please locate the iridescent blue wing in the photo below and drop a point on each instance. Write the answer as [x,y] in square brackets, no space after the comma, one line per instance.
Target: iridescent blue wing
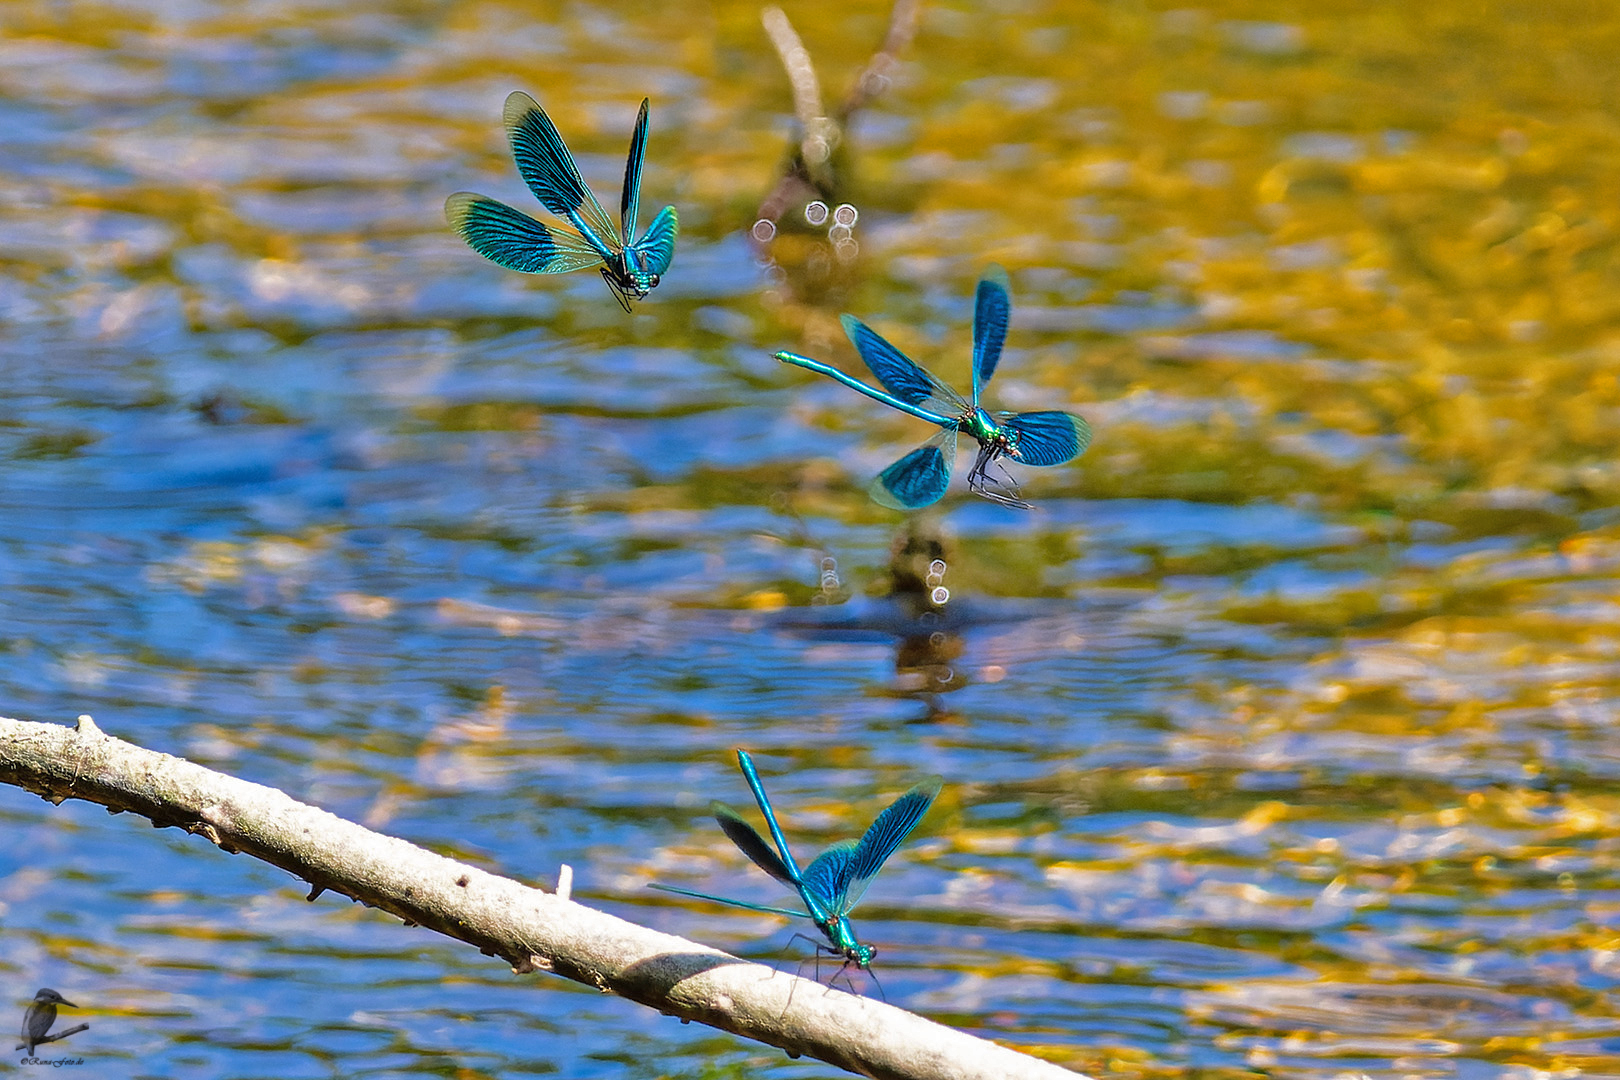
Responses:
[991,309]
[515,240]
[630,198]
[897,372]
[920,477]
[548,168]
[827,876]
[1046,438]
[753,845]
[885,835]
[730,902]
[657,245]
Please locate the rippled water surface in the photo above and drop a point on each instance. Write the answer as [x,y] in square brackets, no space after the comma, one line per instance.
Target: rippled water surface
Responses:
[1281,737]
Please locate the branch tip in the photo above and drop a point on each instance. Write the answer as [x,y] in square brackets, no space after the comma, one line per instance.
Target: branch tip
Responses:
[87,726]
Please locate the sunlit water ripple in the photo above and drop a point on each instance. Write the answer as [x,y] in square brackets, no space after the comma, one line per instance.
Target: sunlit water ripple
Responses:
[1281,736]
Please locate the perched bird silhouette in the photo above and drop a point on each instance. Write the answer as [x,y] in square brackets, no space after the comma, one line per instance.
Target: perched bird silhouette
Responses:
[40,1016]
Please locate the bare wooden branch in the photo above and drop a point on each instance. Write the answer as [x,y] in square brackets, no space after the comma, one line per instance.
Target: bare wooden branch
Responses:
[796,62]
[875,79]
[54,1036]
[819,134]
[532,929]
[810,171]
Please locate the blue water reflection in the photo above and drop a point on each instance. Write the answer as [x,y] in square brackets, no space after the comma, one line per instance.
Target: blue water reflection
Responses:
[1280,737]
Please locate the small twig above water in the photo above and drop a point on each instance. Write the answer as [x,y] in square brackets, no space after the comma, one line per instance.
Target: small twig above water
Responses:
[877,76]
[801,71]
[54,1036]
[811,171]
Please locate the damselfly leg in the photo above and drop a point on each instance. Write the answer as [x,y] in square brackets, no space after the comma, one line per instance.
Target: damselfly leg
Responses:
[1003,491]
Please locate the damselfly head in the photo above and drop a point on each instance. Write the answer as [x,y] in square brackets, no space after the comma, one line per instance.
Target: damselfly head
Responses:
[628,285]
[631,280]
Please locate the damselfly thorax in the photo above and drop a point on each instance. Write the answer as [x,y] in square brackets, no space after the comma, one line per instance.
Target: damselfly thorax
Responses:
[995,441]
